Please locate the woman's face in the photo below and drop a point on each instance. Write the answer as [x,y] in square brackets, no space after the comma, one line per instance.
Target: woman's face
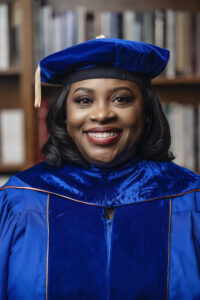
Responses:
[105,119]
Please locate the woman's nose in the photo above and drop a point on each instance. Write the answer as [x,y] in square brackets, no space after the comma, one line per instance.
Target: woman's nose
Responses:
[102,113]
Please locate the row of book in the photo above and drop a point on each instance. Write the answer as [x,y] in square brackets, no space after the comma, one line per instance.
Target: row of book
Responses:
[178,31]
[184,121]
[10,34]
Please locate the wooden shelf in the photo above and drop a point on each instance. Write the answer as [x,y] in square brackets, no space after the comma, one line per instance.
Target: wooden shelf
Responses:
[10,168]
[179,80]
[11,72]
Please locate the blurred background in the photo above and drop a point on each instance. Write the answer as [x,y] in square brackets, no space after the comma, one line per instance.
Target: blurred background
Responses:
[32,29]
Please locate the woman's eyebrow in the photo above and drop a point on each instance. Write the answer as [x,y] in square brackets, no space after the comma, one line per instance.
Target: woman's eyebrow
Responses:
[83,89]
[121,88]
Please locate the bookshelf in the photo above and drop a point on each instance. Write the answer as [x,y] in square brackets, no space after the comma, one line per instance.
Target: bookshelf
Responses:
[16,83]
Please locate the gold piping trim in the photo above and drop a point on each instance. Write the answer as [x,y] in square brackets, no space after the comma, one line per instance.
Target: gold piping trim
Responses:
[44,191]
[47,260]
[84,202]
[169,236]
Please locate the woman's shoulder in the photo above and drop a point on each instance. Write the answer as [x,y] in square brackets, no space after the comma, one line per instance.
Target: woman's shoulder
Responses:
[161,179]
[172,171]
[17,195]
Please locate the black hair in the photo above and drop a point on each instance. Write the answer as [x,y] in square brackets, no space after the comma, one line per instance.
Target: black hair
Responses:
[154,143]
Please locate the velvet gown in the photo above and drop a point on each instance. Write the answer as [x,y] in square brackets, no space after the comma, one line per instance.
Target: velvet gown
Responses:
[71,232]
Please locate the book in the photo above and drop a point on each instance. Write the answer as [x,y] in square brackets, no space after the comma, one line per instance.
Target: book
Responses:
[111,24]
[81,24]
[138,26]
[170,42]
[198,43]
[128,23]
[12,136]
[106,23]
[57,36]
[15,33]
[159,19]
[116,31]
[148,27]
[188,134]
[183,129]
[187,43]
[4,37]
[69,28]
[46,37]
[90,26]
[177,134]
[180,43]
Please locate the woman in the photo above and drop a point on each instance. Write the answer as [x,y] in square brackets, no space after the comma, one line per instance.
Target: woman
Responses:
[108,215]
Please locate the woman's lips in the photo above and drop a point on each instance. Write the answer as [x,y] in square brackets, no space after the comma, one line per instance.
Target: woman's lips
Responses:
[103,136]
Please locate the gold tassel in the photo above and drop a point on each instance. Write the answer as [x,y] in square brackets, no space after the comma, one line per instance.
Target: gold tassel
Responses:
[37,88]
[101,36]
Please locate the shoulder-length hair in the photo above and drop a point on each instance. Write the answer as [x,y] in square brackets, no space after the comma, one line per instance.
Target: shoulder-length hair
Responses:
[153,145]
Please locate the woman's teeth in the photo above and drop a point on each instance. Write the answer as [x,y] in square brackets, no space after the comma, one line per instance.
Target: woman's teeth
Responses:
[102,134]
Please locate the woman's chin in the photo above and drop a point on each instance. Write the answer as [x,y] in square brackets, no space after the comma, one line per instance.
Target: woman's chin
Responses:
[105,162]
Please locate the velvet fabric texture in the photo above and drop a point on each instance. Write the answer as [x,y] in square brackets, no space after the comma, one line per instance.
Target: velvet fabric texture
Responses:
[135,57]
[57,243]
[137,180]
[122,258]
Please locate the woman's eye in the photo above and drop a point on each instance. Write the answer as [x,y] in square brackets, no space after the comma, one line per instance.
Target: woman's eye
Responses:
[123,100]
[83,101]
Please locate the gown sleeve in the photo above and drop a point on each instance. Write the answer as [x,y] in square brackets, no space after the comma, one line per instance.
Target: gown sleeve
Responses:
[8,224]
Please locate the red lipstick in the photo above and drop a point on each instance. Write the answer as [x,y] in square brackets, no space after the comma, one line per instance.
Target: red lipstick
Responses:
[103,135]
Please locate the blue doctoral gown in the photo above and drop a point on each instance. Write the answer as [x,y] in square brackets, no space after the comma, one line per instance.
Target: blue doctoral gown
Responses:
[78,233]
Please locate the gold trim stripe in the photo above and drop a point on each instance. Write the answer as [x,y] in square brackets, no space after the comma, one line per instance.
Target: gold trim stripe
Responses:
[47,259]
[44,191]
[84,202]
[169,236]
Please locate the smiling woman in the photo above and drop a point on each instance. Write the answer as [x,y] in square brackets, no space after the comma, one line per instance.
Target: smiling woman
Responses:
[153,142]
[107,215]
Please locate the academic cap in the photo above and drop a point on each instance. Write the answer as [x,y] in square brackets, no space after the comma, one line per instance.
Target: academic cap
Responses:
[101,58]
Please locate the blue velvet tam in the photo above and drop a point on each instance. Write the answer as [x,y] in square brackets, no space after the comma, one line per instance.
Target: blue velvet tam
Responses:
[102,58]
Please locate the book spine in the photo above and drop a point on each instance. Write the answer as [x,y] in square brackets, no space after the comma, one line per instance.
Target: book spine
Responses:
[198,43]
[128,22]
[148,27]
[81,21]
[15,33]
[4,37]
[171,42]
[12,136]
[180,43]
[159,28]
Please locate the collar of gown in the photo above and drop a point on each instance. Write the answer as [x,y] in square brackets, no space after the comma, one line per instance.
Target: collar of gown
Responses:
[135,181]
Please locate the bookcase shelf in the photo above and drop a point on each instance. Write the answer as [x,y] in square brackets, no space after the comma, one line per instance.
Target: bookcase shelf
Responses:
[10,72]
[179,80]
[10,168]
[19,81]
